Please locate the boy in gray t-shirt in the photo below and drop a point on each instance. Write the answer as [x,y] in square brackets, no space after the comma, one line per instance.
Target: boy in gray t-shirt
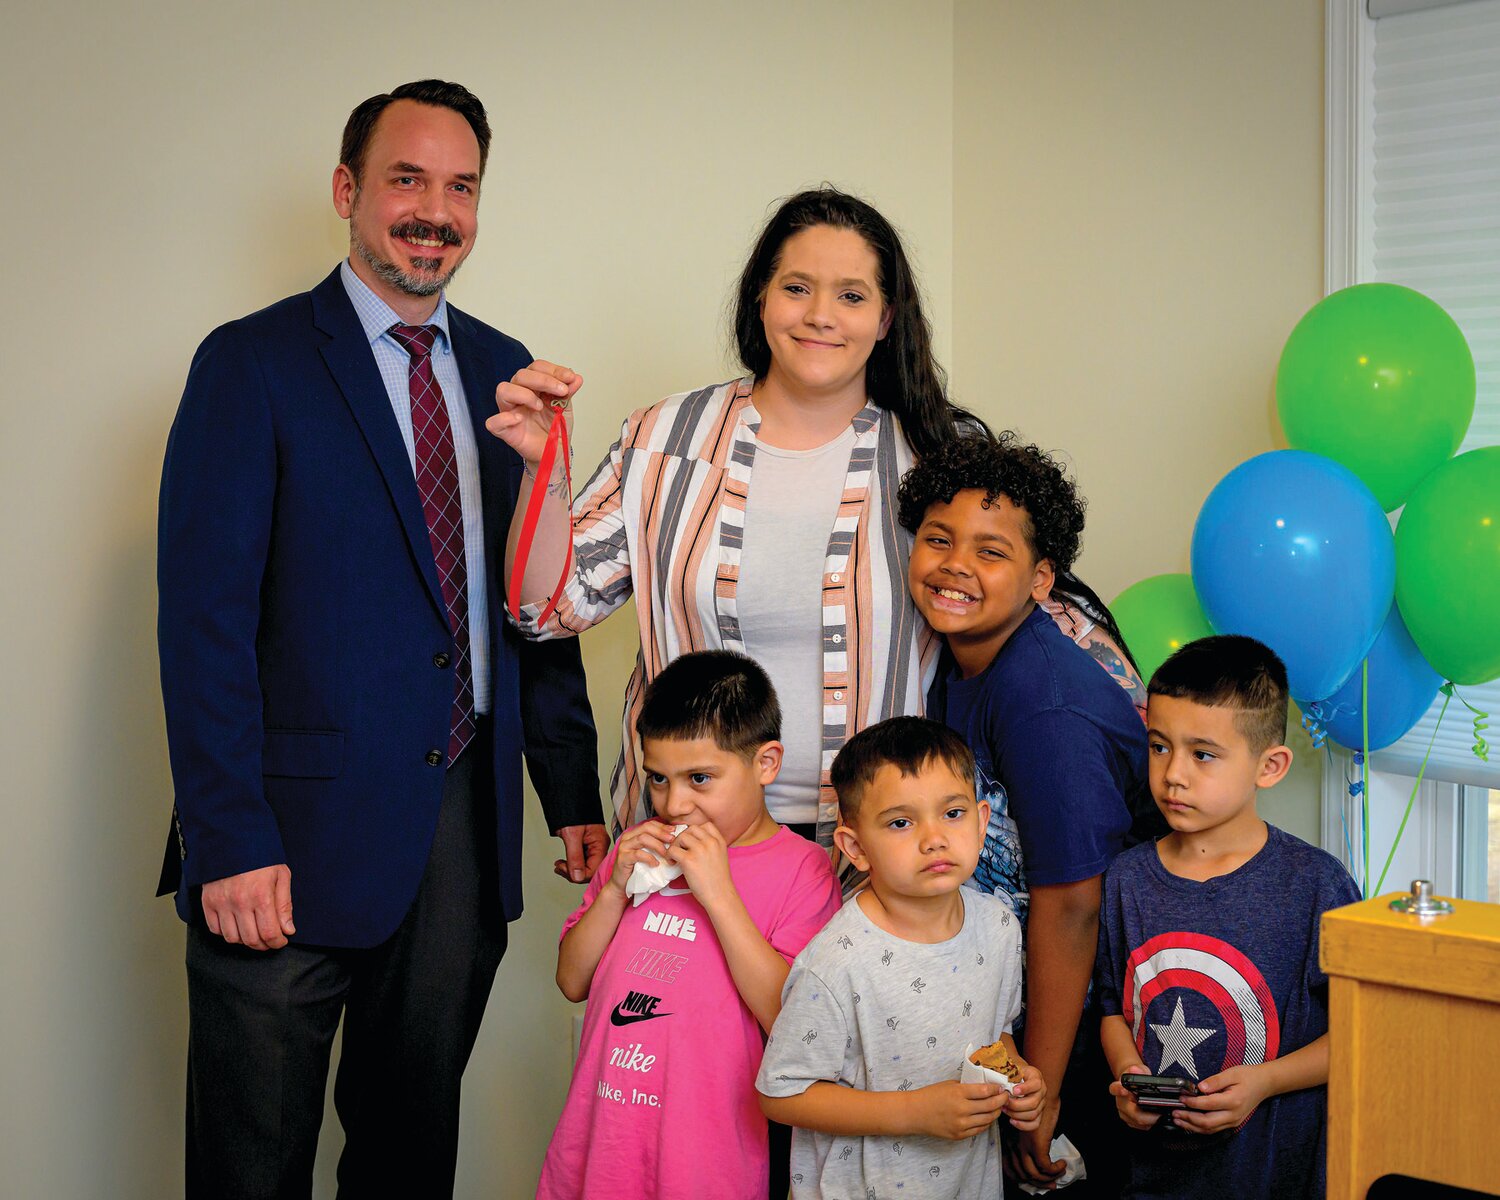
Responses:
[914,971]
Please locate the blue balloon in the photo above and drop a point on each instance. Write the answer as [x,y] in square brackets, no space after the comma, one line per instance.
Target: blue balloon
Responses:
[1402,687]
[1293,549]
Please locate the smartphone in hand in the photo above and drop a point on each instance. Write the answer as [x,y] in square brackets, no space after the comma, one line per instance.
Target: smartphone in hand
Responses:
[1159,1091]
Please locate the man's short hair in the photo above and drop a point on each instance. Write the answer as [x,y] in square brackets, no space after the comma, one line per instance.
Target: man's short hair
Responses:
[907,743]
[361,124]
[714,694]
[1230,671]
[1000,465]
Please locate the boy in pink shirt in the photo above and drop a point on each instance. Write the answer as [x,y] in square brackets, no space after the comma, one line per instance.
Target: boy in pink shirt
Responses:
[683,984]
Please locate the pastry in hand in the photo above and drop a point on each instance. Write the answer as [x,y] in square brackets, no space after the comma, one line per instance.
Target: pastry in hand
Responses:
[995,1057]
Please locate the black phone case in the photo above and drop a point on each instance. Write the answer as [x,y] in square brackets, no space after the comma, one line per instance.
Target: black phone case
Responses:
[1159,1091]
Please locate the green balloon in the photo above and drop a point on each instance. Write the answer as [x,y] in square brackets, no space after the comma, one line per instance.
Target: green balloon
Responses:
[1448,567]
[1159,615]
[1379,378]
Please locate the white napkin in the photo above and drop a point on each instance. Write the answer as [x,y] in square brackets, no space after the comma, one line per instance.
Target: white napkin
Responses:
[646,881]
[1061,1150]
[972,1072]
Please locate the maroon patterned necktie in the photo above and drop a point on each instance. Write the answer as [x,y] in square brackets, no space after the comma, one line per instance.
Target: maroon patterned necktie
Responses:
[437,484]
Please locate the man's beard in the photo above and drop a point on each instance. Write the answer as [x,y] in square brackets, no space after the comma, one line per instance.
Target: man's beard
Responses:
[398,276]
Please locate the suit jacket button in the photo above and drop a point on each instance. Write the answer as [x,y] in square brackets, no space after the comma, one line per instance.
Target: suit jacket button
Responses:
[434,757]
[440,660]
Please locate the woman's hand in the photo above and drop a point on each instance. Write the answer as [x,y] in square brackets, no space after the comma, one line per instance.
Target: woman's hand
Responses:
[526,405]
[646,843]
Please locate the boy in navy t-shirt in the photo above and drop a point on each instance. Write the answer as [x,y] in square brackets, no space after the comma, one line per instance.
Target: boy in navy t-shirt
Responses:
[1059,746]
[1208,944]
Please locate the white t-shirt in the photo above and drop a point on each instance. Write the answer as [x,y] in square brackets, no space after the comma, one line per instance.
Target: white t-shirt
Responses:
[865,1009]
[789,514]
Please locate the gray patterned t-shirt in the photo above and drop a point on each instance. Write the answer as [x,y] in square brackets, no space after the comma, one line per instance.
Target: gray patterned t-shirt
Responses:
[864,1009]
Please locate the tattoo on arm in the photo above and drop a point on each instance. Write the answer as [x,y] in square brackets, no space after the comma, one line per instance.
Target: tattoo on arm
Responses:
[1114,662]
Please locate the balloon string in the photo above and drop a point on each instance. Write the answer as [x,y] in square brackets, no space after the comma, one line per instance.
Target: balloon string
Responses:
[1344,808]
[1356,789]
[1481,748]
[1447,690]
[557,445]
[1364,797]
[1312,721]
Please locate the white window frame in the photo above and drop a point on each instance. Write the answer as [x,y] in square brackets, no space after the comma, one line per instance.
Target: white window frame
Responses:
[1446,840]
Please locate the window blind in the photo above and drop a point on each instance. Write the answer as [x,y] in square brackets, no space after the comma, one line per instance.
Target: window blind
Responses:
[1392,8]
[1434,221]
[1395,8]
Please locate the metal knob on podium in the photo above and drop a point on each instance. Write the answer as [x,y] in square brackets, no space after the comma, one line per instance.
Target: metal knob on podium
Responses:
[1421,902]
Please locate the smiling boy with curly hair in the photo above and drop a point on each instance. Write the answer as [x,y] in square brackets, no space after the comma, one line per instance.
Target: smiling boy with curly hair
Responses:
[1060,749]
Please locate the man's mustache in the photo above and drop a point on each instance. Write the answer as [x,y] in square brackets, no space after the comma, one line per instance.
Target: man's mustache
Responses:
[419,229]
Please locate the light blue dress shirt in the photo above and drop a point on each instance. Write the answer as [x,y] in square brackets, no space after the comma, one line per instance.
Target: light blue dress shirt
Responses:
[377,317]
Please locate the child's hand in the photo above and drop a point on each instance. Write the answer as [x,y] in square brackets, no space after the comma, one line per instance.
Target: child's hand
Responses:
[1223,1100]
[703,855]
[1130,1112]
[1028,1154]
[646,843]
[954,1110]
[1024,1105]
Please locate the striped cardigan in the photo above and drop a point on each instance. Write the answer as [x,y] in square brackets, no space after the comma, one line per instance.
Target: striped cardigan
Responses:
[663,519]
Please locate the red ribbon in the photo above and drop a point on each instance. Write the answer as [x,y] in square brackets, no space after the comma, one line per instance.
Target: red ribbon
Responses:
[557,443]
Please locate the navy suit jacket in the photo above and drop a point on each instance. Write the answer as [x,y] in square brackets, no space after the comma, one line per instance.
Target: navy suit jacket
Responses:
[305,650]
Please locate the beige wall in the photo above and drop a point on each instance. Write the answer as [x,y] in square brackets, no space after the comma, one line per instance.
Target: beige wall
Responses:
[1115,210]
[169,169]
[1138,222]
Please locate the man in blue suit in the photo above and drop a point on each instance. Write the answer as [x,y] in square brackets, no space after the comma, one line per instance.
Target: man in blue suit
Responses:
[347,708]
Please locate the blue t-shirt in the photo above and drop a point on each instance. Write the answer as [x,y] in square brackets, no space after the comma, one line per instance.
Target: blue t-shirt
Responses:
[1217,974]
[1060,754]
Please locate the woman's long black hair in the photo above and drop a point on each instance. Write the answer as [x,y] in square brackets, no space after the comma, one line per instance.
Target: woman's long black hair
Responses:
[902,376]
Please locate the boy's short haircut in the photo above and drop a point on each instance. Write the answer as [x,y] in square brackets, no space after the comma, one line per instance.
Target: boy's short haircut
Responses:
[907,743]
[714,694]
[1230,671]
[1000,465]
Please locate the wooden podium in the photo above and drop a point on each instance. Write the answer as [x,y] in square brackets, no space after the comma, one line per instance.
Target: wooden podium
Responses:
[1414,1023]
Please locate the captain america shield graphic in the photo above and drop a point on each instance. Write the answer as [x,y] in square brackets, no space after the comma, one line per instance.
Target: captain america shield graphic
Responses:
[1197,1006]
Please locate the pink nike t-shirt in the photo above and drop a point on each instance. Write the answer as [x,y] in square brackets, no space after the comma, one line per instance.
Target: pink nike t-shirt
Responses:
[662,1102]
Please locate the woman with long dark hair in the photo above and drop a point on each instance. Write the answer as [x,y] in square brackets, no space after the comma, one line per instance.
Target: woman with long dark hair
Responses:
[759,514]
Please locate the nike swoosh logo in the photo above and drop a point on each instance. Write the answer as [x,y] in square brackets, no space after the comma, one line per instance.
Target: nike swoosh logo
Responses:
[617,1017]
